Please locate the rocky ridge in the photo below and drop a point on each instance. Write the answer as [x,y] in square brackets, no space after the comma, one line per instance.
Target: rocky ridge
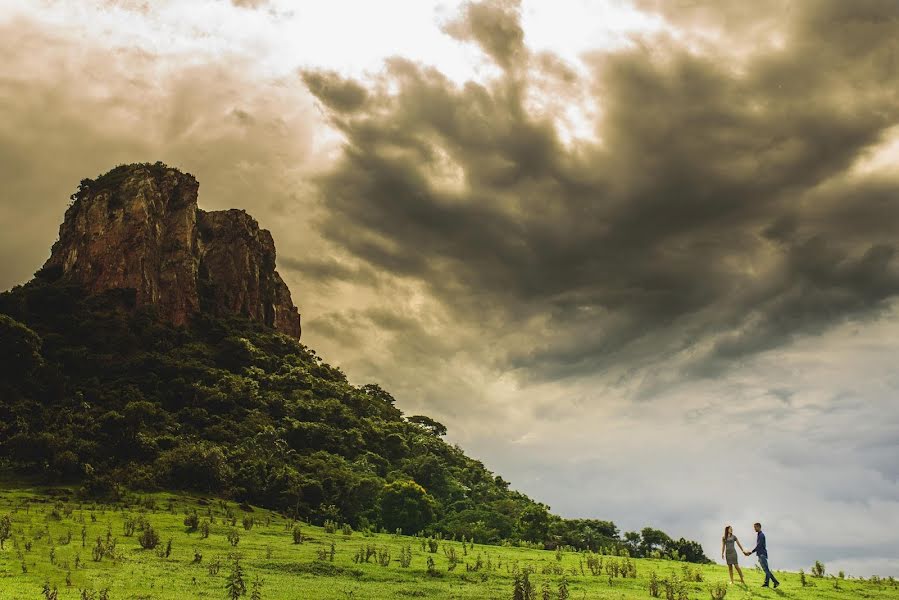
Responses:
[138,227]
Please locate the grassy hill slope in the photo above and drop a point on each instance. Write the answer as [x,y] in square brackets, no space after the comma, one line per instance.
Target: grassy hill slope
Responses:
[90,550]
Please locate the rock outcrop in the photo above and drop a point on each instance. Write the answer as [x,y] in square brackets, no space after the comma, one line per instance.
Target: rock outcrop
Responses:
[138,227]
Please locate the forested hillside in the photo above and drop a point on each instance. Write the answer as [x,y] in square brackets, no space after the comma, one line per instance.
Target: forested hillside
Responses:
[98,394]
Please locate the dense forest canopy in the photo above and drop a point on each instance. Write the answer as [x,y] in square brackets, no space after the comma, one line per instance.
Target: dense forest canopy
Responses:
[97,394]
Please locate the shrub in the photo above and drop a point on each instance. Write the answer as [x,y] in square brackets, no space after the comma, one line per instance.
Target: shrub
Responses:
[718,591]
[192,521]
[233,537]
[148,538]
[5,529]
[405,556]
[297,535]
[235,586]
[655,590]
[818,569]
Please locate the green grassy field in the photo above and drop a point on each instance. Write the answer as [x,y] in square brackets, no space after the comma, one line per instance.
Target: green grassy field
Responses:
[88,550]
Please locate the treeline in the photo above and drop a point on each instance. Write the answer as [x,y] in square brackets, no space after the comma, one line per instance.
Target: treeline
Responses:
[96,394]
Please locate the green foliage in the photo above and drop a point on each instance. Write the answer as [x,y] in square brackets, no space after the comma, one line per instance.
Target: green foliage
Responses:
[103,395]
[148,538]
[533,523]
[718,591]
[20,352]
[5,529]
[406,505]
[236,586]
[297,534]
[818,569]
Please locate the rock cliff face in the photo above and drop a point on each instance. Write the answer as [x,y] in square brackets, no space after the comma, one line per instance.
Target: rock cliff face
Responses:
[138,227]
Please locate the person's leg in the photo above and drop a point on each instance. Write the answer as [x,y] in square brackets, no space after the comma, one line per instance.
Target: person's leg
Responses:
[740,572]
[730,569]
[763,560]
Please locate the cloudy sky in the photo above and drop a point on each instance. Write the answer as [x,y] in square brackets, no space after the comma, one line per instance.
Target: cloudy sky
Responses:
[639,257]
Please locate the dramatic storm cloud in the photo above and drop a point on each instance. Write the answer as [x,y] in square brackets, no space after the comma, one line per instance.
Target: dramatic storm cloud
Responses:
[641,259]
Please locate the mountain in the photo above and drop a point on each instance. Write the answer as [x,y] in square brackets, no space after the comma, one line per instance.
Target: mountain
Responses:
[138,228]
[156,350]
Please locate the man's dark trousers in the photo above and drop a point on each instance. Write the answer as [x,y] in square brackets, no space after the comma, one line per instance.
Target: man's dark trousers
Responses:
[763,560]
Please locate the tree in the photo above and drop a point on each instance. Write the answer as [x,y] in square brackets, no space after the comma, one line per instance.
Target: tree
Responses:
[691,551]
[654,539]
[20,352]
[429,424]
[406,505]
[533,523]
[632,539]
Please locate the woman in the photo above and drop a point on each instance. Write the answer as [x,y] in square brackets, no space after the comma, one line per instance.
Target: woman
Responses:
[730,553]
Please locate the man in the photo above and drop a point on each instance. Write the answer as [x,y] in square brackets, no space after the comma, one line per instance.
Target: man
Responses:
[762,552]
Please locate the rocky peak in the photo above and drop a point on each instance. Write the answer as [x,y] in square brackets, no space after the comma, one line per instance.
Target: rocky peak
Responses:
[138,227]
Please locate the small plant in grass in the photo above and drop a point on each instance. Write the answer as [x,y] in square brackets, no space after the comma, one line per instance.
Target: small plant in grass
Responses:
[433,545]
[297,534]
[347,530]
[718,591]
[148,538]
[432,568]
[405,556]
[818,569]
[564,594]
[128,525]
[332,552]
[802,578]
[204,530]
[49,594]
[233,537]
[5,529]
[198,557]
[257,589]
[192,521]
[522,588]
[691,574]
[841,575]
[330,526]
[235,586]
[546,592]
[384,557]
[165,551]
[214,566]
[675,589]
[248,522]
[451,555]
[655,588]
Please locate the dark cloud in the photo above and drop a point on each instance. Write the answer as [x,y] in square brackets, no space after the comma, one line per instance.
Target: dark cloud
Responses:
[718,216]
[337,93]
[495,27]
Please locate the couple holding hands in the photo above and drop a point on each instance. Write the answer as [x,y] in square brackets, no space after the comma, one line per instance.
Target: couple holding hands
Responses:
[729,553]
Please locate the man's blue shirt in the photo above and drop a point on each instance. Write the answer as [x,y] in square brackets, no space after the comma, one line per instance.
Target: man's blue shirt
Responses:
[760,547]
